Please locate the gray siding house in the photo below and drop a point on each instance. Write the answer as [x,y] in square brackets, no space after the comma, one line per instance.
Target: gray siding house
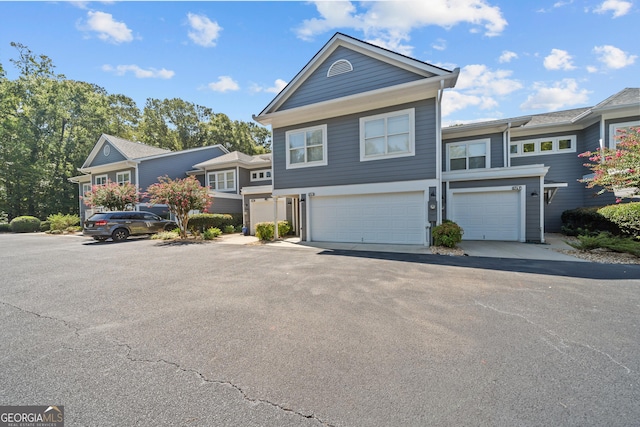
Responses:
[114,159]
[359,151]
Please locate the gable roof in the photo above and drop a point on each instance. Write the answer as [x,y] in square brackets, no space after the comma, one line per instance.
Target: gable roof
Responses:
[128,149]
[431,73]
[237,158]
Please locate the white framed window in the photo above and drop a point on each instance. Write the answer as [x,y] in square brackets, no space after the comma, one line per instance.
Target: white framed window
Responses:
[100,179]
[542,146]
[466,155]
[389,135]
[261,175]
[222,180]
[86,187]
[614,129]
[123,177]
[307,147]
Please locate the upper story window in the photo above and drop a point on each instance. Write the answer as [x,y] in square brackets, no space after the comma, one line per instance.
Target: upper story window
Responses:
[615,128]
[388,135]
[341,66]
[261,175]
[539,146]
[123,177]
[307,147]
[469,155]
[100,179]
[222,180]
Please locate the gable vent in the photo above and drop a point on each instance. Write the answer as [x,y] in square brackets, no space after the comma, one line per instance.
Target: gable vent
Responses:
[341,66]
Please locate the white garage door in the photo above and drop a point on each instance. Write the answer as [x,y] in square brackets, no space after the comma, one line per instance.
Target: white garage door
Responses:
[393,218]
[490,215]
[261,210]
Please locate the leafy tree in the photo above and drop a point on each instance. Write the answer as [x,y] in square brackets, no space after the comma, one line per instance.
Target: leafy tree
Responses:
[113,196]
[181,196]
[616,168]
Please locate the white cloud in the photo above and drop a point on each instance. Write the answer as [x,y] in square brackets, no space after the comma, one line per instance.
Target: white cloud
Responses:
[107,28]
[592,69]
[618,7]
[204,32]
[507,56]
[278,85]
[388,23]
[224,84]
[150,73]
[558,60]
[560,95]
[439,44]
[612,57]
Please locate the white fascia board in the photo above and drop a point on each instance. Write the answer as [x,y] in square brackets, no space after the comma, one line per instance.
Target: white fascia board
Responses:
[385,97]
[481,128]
[80,179]
[219,195]
[556,185]
[496,173]
[209,165]
[256,189]
[355,189]
[110,167]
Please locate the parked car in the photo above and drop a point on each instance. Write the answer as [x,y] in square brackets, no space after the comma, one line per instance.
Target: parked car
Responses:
[120,225]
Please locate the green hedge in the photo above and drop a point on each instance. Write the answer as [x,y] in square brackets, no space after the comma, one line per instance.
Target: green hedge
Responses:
[25,224]
[447,234]
[586,220]
[5,227]
[625,216]
[264,230]
[198,223]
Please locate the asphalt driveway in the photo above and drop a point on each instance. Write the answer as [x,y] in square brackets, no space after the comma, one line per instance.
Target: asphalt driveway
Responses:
[145,333]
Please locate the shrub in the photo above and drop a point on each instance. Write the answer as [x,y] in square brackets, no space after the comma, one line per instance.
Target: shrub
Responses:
[5,227]
[45,226]
[264,230]
[198,223]
[447,234]
[166,235]
[62,222]
[228,229]
[625,216]
[608,241]
[586,220]
[4,217]
[239,228]
[25,224]
[211,233]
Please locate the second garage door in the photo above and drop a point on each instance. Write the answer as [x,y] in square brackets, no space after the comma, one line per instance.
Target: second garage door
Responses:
[393,218]
[488,215]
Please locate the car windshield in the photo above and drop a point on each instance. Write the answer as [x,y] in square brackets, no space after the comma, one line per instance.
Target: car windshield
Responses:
[98,216]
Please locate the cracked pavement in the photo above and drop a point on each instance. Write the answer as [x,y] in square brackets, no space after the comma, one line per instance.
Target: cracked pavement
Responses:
[145,334]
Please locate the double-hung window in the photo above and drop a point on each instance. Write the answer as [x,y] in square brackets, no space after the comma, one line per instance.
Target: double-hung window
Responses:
[388,135]
[123,177]
[468,155]
[223,180]
[616,130]
[307,147]
[100,179]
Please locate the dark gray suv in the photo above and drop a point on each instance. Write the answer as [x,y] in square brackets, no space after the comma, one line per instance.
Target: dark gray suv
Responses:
[120,225]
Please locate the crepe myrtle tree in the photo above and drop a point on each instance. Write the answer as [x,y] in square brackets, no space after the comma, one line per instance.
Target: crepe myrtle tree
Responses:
[617,169]
[181,196]
[113,196]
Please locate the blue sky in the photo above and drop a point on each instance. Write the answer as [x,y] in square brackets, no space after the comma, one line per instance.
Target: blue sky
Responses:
[516,57]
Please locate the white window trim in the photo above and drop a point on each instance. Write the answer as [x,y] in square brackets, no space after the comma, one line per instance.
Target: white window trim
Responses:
[86,187]
[537,141]
[614,127]
[412,135]
[307,164]
[123,181]
[257,172]
[235,180]
[487,162]
[99,177]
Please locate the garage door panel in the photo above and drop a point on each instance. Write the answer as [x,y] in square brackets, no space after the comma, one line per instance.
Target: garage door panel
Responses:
[379,218]
[490,215]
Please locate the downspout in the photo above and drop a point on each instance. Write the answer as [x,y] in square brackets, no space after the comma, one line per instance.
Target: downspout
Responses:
[506,139]
[438,151]
[138,182]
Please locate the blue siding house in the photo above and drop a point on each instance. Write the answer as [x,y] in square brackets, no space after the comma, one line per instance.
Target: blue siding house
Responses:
[359,150]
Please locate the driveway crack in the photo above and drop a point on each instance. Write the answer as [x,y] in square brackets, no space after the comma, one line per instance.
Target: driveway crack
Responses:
[239,389]
[68,325]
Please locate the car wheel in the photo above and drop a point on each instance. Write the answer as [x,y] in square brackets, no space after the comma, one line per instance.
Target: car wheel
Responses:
[119,234]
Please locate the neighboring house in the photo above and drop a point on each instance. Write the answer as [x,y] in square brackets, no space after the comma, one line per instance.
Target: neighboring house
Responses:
[359,152]
[119,160]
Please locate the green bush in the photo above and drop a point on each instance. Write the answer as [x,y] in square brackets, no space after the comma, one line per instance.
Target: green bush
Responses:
[25,224]
[239,228]
[198,223]
[5,227]
[211,233]
[264,230]
[45,226]
[4,218]
[166,235]
[62,222]
[608,241]
[447,234]
[586,220]
[228,229]
[626,216]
